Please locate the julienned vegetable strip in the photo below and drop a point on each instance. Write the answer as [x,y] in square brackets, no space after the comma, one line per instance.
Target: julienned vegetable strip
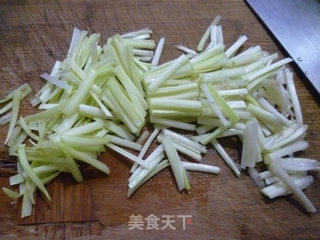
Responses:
[157,53]
[145,148]
[100,96]
[27,168]
[175,163]
[200,167]
[285,178]
[169,72]
[207,33]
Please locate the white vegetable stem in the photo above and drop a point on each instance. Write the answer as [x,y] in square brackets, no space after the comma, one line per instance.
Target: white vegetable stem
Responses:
[206,35]
[226,157]
[186,50]
[285,178]
[200,167]
[169,72]
[184,140]
[157,53]
[187,150]
[175,163]
[145,148]
[234,48]
[128,155]
[293,96]
[143,137]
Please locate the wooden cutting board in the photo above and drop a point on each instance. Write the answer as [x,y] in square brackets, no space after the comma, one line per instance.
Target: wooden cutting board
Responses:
[33,34]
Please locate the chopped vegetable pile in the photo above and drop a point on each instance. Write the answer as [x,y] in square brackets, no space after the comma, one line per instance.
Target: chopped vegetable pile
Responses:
[102,96]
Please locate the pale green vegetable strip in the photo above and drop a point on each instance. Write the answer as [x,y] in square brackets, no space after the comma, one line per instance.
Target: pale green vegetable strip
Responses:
[84,129]
[172,113]
[129,108]
[124,143]
[88,110]
[145,148]
[128,155]
[82,156]
[295,135]
[80,94]
[26,129]
[6,108]
[222,74]
[118,130]
[223,105]
[131,89]
[286,179]
[261,62]
[16,179]
[162,165]
[26,206]
[19,140]
[157,53]
[175,162]
[263,114]
[74,169]
[225,157]
[118,111]
[27,168]
[174,89]
[140,44]
[175,104]
[207,33]
[200,167]
[85,140]
[215,108]
[101,105]
[173,123]
[293,96]
[187,150]
[15,111]
[156,156]
[212,135]
[169,72]
[143,137]
[10,193]
[25,89]
[186,95]
[15,133]
[142,173]
[234,48]
[268,69]
[68,122]
[210,53]
[46,114]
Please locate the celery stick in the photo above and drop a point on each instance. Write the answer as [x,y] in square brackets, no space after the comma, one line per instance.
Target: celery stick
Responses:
[173,123]
[162,165]
[163,77]
[234,48]
[27,168]
[15,111]
[200,167]
[175,104]
[80,94]
[285,178]
[85,157]
[207,33]
[158,52]
[175,162]
[10,193]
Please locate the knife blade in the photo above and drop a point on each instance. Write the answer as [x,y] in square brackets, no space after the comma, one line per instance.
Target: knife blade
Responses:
[296,25]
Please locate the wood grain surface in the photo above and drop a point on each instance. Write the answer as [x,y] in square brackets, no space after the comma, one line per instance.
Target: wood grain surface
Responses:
[33,34]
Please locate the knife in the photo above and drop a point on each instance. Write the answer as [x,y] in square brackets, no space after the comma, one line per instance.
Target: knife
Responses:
[296,25]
